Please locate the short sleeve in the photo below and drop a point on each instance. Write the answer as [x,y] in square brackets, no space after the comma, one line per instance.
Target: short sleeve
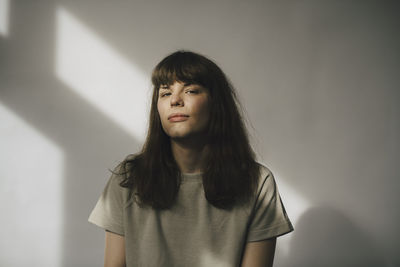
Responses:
[269,218]
[108,212]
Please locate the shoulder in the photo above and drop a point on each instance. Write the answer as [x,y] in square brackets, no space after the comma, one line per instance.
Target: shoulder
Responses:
[124,166]
[266,181]
[264,173]
[131,157]
[120,174]
[127,160]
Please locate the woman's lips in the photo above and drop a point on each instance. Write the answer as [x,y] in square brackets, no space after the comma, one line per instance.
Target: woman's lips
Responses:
[175,118]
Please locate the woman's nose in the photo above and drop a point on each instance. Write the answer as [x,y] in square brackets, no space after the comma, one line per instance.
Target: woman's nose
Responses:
[176,100]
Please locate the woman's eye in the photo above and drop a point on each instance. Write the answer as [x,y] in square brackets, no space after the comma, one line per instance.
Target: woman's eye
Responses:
[164,94]
[192,91]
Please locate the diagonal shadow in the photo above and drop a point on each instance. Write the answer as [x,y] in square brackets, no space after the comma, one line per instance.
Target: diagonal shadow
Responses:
[90,141]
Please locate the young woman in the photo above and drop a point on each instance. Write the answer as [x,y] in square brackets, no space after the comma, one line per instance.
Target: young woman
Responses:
[194,195]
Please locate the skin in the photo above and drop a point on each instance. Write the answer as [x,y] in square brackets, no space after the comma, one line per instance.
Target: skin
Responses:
[189,150]
[187,137]
[259,254]
[114,253]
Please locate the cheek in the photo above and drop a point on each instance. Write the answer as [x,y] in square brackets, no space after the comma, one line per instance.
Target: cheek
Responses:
[159,110]
[204,109]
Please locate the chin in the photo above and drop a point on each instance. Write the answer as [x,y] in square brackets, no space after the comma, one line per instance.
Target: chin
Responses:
[186,135]
[178,135]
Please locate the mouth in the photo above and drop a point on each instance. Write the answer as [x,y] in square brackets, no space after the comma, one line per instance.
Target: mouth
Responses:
[177,116]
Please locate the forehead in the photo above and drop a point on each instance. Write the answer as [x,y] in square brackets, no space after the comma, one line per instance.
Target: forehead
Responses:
[168,85]
[168,76]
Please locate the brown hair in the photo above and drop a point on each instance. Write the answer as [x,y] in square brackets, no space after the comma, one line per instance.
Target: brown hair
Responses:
[231,172]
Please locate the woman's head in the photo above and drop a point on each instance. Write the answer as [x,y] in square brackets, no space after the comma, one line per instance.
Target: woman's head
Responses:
[182,71]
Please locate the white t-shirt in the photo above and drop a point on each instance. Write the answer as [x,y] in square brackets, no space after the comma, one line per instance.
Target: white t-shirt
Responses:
[192,232]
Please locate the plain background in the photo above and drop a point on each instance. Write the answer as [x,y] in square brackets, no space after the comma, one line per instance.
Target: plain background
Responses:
[319,81]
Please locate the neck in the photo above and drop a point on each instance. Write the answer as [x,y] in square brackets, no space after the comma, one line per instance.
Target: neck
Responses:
[190,155]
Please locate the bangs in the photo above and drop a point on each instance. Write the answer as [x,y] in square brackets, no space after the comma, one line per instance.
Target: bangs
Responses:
[181,66]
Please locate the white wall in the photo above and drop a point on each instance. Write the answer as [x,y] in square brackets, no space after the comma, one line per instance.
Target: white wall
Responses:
[318,79]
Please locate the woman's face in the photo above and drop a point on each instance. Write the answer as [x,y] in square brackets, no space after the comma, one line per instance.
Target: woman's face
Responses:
[183,109]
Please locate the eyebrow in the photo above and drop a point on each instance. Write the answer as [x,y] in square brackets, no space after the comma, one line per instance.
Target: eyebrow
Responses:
[167,87]
[164,87]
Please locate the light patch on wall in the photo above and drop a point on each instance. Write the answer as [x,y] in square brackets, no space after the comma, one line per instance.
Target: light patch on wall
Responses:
[99,74]
[31,172]
[295,206]
[4,16]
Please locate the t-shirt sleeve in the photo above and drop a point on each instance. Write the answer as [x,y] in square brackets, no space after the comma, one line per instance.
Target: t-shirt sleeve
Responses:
[108,212]
[269,218]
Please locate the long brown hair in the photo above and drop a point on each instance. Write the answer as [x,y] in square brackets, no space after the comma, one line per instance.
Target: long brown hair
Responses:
[231,172]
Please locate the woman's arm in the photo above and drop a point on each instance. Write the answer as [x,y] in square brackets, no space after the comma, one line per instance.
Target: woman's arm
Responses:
[114,254]
[259,254]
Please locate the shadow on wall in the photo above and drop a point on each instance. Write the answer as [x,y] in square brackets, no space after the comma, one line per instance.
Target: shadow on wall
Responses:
[89,140]
[332,240]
